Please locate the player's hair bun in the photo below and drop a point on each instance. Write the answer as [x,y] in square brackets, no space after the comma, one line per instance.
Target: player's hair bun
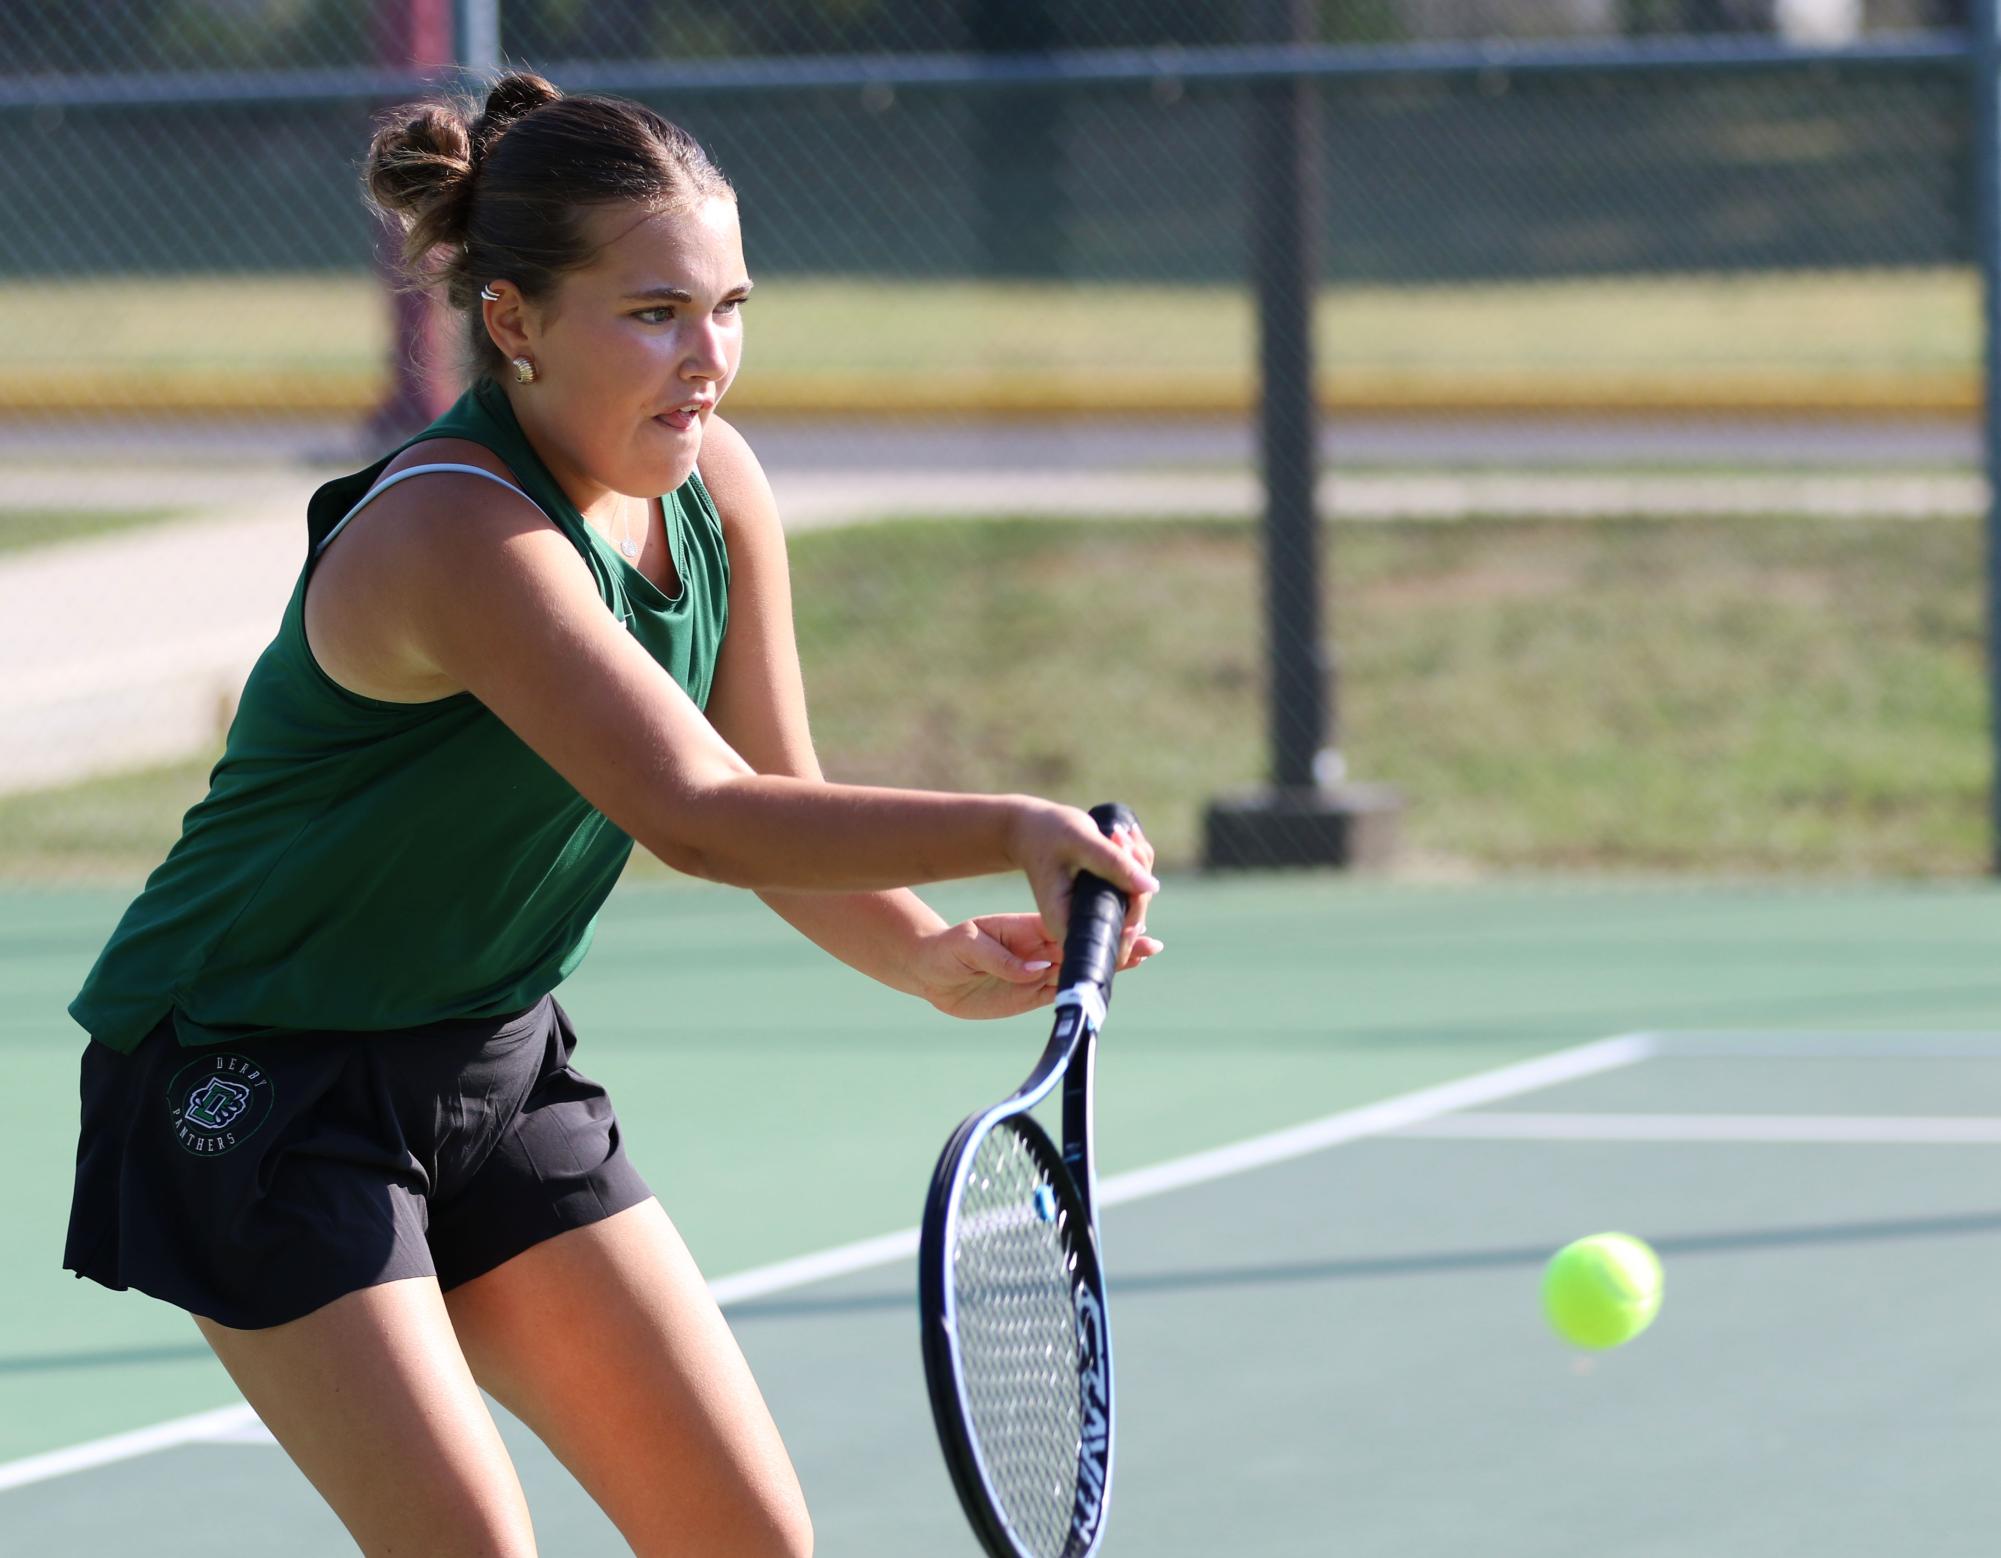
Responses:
[419,171]
[512,96]
[423,163]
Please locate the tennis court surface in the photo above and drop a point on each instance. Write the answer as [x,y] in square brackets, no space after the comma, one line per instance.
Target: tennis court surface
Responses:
[1344,1124]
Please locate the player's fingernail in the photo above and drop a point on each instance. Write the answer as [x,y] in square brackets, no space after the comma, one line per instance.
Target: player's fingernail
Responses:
[1037,966]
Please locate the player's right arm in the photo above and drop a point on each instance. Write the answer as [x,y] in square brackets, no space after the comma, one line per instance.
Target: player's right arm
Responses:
[476,590]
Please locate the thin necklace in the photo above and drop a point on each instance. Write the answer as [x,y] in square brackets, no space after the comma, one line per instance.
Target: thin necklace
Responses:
[629,545]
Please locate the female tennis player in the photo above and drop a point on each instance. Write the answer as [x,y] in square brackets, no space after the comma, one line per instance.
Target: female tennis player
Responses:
[328,1107]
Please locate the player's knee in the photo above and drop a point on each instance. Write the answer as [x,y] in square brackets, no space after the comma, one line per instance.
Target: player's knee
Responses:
[773,1521]
[489,1528]
[777,1526]
[448,1534]
[512,1541]
[765,1522]
[792,1537]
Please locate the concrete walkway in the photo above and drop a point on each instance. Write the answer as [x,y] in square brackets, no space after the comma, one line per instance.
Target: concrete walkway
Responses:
[129,648]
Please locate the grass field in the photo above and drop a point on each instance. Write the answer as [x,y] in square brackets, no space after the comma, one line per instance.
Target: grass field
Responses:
[23,528]
[317,343]
[1732,696]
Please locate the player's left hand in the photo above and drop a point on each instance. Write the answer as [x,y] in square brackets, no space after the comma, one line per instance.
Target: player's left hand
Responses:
[1000,965]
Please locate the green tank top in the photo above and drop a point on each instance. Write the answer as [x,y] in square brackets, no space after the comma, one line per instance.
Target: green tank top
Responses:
[363,865]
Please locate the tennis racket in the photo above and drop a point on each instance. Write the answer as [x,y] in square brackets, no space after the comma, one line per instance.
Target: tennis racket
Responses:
[1017,1352]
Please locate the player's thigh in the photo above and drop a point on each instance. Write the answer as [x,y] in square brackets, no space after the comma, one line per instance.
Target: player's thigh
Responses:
[371,1397]
[605,1341]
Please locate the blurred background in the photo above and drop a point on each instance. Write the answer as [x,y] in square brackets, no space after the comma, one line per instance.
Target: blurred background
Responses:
[1453,436]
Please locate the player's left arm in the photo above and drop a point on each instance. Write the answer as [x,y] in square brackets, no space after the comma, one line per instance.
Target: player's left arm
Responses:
[979,968]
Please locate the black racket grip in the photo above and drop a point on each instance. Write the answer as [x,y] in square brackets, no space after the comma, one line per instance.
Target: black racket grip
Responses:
[1097,917]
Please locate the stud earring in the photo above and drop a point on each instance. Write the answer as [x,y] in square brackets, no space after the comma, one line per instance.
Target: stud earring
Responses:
[524,371]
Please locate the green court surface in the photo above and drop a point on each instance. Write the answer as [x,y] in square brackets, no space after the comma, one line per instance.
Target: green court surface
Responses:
[1328,1340]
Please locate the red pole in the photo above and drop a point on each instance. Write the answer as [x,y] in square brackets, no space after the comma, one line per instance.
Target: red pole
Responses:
[412,34]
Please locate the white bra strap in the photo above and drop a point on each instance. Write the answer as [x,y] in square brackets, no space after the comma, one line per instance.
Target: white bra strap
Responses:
[404,475]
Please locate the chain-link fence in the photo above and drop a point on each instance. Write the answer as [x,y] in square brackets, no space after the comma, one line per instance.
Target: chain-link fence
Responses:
[1646,352]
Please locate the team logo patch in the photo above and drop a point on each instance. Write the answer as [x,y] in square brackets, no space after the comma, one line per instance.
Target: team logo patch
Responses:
[217,1102]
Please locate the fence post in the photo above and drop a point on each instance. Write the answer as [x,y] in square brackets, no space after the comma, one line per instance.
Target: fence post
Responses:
[1308,814]
[411,33]
[478,29]
[1984,63]
[1019,154]
[1287,213]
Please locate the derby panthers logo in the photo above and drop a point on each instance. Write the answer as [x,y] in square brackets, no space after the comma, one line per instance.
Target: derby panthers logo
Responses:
[218,1102]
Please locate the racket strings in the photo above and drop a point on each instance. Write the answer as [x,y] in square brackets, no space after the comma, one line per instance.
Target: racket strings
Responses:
[1011,1272]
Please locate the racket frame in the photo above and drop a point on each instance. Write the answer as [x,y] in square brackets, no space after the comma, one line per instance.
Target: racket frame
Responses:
[1071,1055]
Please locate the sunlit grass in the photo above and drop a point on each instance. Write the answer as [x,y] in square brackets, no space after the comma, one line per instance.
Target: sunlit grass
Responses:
[323,338]
[21,529]
[1766,696]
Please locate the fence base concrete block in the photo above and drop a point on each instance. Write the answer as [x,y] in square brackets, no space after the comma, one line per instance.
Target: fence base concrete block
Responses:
[1348,826]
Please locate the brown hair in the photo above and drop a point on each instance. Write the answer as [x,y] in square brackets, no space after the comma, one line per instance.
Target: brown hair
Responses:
[500,193]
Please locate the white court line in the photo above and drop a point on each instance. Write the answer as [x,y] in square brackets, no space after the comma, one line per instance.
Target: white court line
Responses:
[1392,1114]
[760,1281]
[1877,1130]
[1782,1045]
[234,1424]
[123,1447]
[1377,1119]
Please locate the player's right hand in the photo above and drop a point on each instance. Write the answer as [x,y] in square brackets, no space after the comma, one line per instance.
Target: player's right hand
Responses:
[1052,843]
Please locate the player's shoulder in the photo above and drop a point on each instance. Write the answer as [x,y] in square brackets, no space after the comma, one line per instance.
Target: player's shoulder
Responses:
[734,478]
[724,449]
[447,488]
[426,532]
[446,505]
[421,554]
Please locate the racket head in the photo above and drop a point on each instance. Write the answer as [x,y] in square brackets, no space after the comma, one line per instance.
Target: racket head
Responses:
[1017,1351]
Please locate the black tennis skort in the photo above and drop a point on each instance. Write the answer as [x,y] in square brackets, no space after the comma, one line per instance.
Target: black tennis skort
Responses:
[252,1183]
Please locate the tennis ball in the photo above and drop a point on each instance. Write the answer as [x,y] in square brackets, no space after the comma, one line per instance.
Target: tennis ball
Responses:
[1601,1291]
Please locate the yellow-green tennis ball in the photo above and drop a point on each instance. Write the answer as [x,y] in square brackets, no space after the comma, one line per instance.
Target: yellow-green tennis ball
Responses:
[1601,1291]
